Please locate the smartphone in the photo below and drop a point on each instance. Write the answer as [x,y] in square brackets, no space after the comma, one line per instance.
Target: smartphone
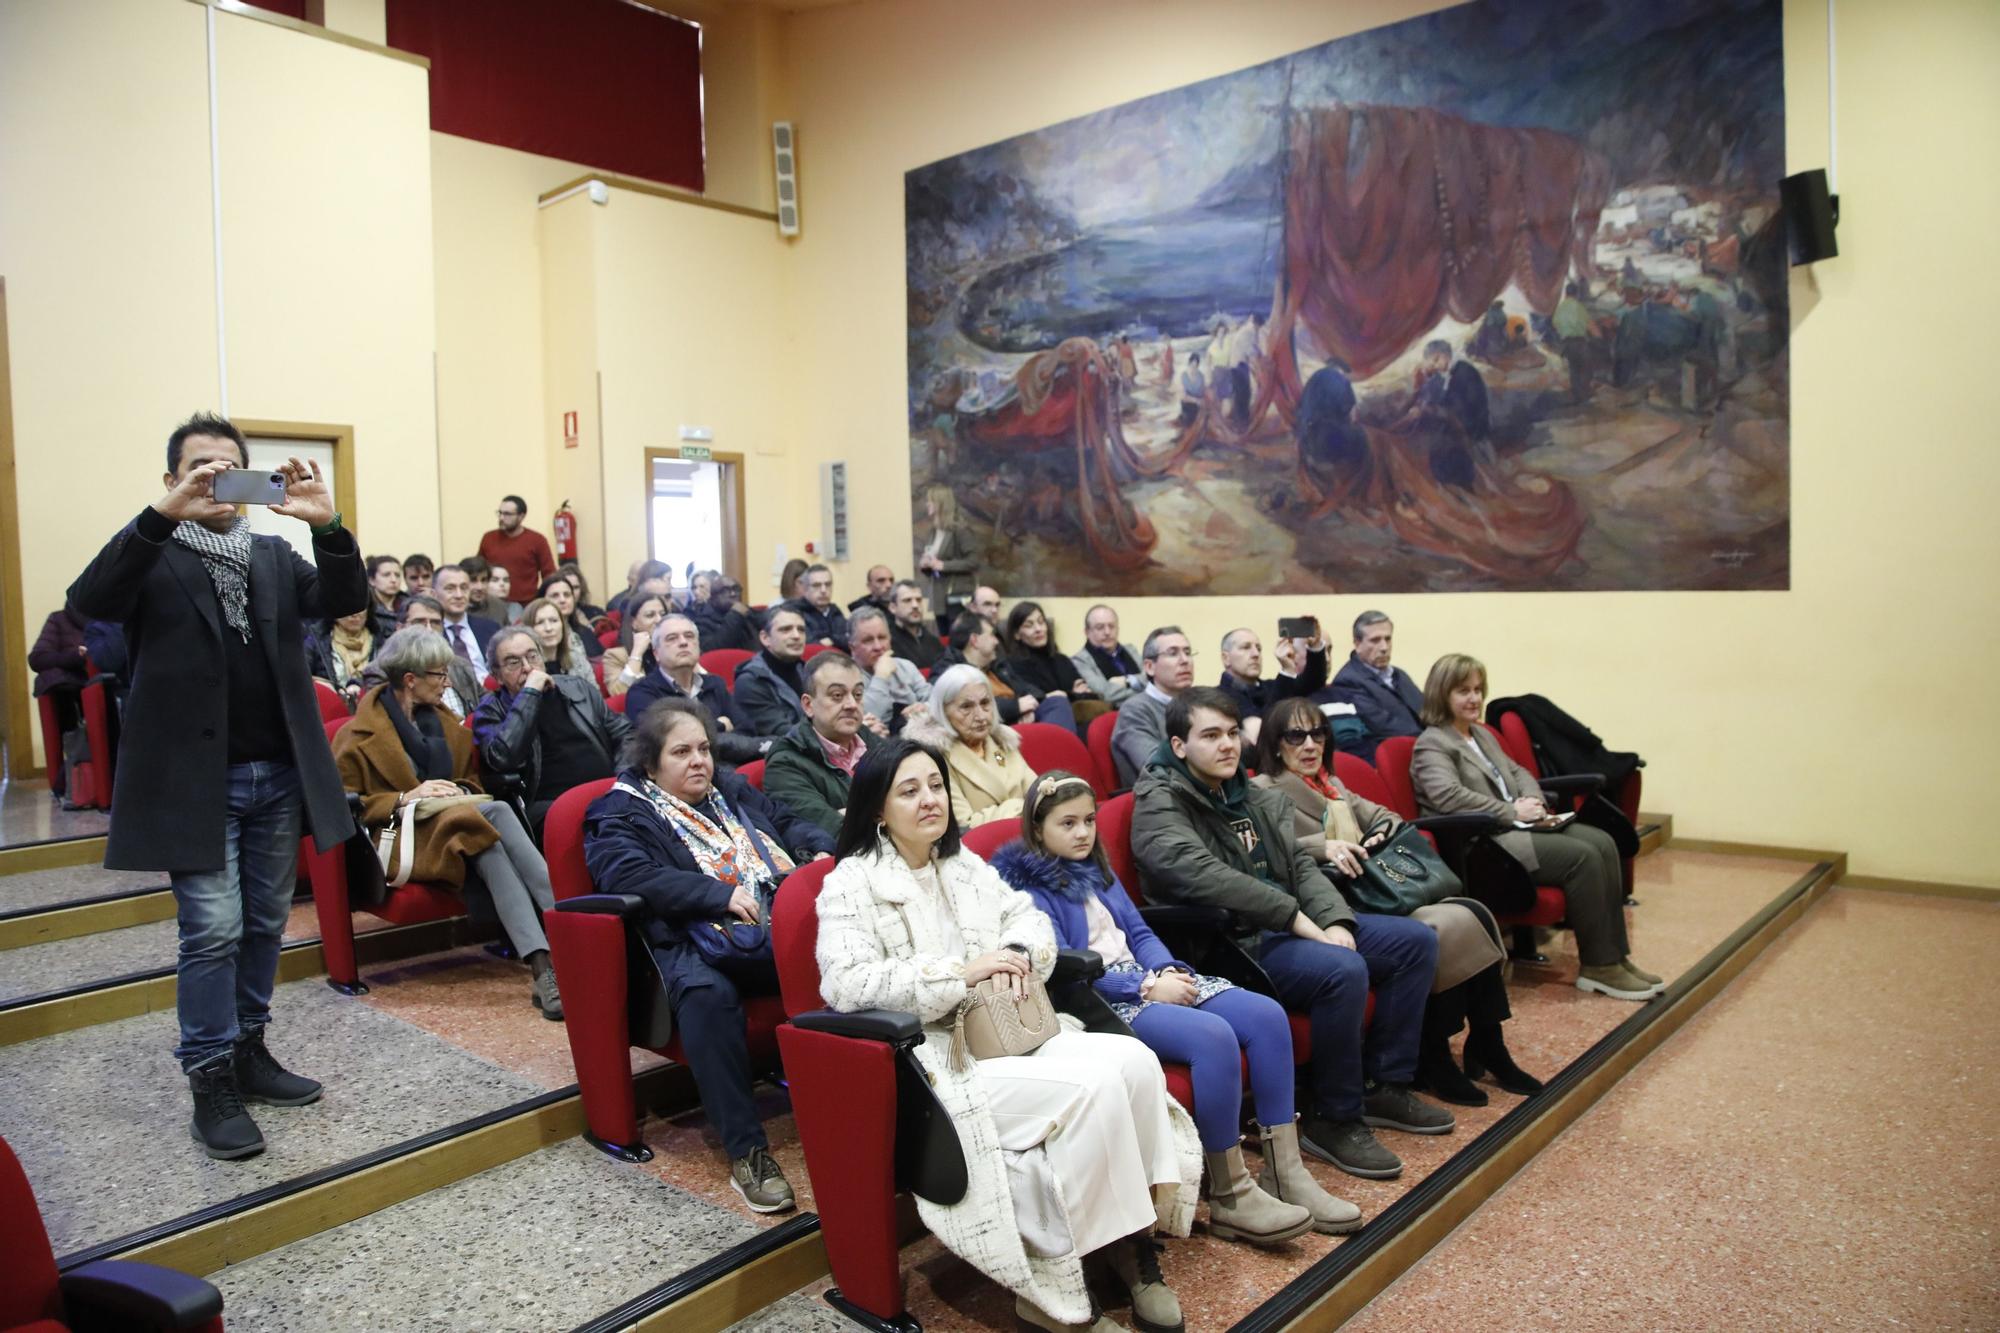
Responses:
[1297,627]
[242,486]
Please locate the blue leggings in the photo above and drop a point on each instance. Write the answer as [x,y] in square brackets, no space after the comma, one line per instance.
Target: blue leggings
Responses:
[1211,1041]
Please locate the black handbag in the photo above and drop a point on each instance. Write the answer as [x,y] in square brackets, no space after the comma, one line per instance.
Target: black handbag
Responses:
[1402,875]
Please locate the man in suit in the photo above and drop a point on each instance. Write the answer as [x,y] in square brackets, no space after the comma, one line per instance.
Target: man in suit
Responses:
[1385,699]
[1106,665]
[467,634]
[223,753]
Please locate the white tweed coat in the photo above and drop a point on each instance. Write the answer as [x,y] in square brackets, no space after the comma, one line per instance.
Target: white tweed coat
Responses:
[867,961]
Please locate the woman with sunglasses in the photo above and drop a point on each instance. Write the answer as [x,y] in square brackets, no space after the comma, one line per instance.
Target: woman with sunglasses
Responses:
[1340,829]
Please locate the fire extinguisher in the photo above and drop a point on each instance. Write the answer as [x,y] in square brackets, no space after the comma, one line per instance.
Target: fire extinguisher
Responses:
[565,532]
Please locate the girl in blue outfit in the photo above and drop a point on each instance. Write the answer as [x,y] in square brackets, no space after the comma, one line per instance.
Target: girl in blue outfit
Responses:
[1203,1022]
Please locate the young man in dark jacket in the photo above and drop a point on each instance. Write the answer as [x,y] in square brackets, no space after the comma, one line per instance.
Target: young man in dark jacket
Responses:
[1202,834]
[769,685]
[677,673]
[555,732]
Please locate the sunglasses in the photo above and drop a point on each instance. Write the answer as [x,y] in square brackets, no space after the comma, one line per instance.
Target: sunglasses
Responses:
[1299,736]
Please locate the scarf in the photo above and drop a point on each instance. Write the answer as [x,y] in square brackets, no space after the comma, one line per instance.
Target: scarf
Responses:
[723,848]
[1114,663]
[429,752]
[226,557]
[350,651]
[1075,880]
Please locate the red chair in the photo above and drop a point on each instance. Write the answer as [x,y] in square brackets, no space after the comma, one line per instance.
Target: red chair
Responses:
[813,650]
[613,996]
[609,638]
[94,781]
[1520,746]
[108,1294]
[989,838]
[1045,746]
[1098,737]
[597,670]
[723,662]
[333,902]
[616,703]
[752,773]
[332,703]
[52,750]
[869,1124]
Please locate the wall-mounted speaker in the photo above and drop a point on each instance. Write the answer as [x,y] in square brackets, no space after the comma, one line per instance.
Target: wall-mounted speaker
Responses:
[1810,216]
[785,160]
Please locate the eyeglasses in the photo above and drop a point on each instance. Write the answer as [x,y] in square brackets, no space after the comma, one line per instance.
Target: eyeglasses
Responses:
[1173,654]
[508,513]
[531,658]
[438,675]
[1299,736]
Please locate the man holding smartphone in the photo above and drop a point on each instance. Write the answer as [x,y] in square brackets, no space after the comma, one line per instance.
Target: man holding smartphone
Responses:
[223,754]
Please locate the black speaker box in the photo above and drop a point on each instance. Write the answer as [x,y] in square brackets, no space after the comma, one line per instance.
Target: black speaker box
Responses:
[1810,215]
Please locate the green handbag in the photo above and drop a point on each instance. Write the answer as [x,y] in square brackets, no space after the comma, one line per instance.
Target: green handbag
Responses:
[1400,876]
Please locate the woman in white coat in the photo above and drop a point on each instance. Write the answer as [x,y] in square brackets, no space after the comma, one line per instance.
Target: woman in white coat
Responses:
[1071,1149]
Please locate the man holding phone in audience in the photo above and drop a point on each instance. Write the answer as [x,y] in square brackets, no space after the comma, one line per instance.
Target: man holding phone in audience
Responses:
[1243,668]
[223,757]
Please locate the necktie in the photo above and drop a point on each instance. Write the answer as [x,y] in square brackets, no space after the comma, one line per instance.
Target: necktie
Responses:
[458,642]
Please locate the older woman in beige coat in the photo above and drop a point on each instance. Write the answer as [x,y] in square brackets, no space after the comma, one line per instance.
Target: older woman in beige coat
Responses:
[988,775]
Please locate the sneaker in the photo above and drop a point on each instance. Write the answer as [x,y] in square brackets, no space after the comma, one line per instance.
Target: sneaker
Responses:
[1641,973]
[1613,980]
[260,1078]
[763,1186]
[221,1125]
[547,998]
[1349,1145]
[1394,1106]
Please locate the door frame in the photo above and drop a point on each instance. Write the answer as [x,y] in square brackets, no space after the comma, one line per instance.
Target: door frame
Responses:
[734,518]
[342,440]
[13,633]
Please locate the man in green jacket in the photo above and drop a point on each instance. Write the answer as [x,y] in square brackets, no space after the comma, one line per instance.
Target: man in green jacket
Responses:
[808,768]
[1203,835]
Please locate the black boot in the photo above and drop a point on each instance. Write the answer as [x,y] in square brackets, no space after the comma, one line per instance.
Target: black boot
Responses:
[260,1078]
[221,1126]
[1437,1071]
[1486,1054]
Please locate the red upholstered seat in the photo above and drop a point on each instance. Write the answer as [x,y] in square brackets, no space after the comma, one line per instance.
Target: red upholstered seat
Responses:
[99,717]
[332,703]
[752,773]
[613,998]
[1046,746]
[609,638]
[990,837]
[813,650]
[1513,734]
[616,703]
[1098,737]
[52,751]
[723,662]
[406,905]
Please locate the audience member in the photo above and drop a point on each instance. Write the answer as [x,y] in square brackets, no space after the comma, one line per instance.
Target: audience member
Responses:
[560,590]
[1243,674]
[1203,835]
[976,642]
[909,921]
[1459,766]
[792,581]
[562,647]
[554,732]
[1339,830]
[61,666]
[417,573]
[1036,665]
[587,611]
[824,623]
[895,688]
[500,594]
[1200,1021]
[947,557]
[988,775]
[724,620]
[338,651]
[809,767]
[385,592]
[768,686]
[625,661]
[1386,701]
[702,850]
[912,634]
[1168,661]
[463,689]
[700,584]
[223,761]
[676,672]
[467,634]
[1109,667]
[641,573]
[517,548]
[986,602]
[881,579]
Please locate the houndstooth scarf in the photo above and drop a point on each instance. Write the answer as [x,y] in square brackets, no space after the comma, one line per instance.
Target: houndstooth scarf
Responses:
[226,556]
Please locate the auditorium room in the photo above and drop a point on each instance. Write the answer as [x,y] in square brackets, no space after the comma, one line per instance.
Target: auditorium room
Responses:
[903,665]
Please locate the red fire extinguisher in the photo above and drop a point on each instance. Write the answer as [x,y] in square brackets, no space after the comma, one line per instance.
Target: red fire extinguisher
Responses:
[565,532]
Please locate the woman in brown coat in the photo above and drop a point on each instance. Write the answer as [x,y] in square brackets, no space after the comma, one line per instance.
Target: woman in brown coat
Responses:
[403,749]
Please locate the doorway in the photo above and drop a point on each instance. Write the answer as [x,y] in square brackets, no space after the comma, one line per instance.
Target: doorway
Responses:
[694,511]
[332,447]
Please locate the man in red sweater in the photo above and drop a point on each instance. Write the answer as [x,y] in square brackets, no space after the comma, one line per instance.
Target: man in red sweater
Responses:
[522,552]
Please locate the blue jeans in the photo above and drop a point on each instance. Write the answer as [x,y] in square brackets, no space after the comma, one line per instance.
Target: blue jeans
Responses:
[1213,1041]
[1055,710]
[232,920]
[1395,955]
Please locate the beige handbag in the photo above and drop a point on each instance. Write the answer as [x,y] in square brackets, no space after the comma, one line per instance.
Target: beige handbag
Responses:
[992,1022]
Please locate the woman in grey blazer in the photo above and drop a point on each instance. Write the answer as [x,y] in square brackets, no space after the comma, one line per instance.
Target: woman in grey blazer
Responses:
[1458,766]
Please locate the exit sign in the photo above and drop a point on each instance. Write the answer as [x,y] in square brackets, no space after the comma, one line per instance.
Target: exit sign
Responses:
[696,453]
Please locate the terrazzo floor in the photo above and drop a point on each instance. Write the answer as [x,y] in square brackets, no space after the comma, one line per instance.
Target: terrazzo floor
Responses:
[29,814]
[1817,1149]
[67,884]
[89,959]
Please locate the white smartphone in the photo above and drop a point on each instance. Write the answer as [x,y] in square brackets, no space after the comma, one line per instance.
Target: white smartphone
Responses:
[246,486]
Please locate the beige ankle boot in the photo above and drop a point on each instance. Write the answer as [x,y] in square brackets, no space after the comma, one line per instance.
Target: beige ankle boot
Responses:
[1285,1177]
[1034,1316]
[1238,1210]
[1136,1261]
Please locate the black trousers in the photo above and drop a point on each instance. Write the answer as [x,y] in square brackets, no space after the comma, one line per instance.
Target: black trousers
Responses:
[1481,997]
[708,1019]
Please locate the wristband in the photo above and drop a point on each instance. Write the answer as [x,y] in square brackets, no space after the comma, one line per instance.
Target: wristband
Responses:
[328,528]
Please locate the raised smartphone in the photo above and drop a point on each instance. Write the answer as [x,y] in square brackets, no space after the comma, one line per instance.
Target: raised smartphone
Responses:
[246,486]
[1297,627]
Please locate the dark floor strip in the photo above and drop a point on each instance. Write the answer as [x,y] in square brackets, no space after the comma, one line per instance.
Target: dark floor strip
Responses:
[100,899]
[1292,1300]
[702,1274]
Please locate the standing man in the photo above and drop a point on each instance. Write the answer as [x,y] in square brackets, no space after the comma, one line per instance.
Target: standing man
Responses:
[1168,661]
[911,634]
[467,634]
[824,622]
[223,752]
[1106,665]
[1385,699]
[521,551]
[881,579]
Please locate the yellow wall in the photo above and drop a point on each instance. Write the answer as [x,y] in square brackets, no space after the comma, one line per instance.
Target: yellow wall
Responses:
[1851,712]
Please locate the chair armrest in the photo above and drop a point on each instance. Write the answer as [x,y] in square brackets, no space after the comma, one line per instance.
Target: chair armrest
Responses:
[1469,823]
[127,1293]
[604,904]
[1185,916]
[897,1027]
[1572,784]
[1076,966]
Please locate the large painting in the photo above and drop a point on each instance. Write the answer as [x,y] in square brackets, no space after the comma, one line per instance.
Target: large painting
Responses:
[1489,299]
